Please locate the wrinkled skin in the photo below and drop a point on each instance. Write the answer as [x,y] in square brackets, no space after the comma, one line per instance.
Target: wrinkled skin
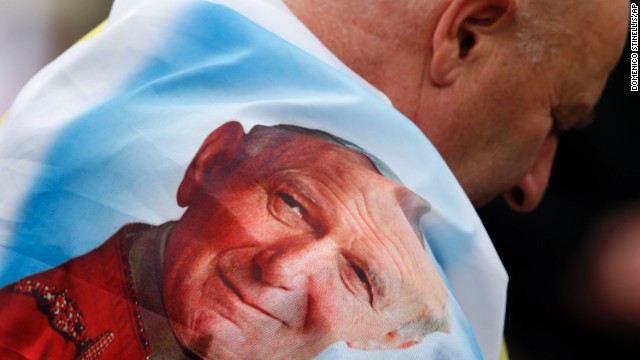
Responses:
[456,68]
[286,249]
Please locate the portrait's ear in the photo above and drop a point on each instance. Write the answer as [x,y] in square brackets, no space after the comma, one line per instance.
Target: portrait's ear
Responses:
[218,150]
[462,27]
[393,340]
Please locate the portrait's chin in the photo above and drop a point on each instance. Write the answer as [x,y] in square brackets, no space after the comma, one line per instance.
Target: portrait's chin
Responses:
[218,339]
[213,336]
[210,336]
[227,328]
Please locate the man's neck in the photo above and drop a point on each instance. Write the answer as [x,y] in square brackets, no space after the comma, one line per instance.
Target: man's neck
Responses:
[386,42]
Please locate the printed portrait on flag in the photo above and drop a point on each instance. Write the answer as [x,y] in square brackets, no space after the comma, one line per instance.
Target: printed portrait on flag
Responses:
[287,232]
[203,178]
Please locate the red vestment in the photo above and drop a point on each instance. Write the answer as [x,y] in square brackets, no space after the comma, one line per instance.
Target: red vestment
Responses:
[85,308]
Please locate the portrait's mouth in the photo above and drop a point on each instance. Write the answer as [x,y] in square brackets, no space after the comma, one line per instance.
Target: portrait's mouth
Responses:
[247,286]
[240,298]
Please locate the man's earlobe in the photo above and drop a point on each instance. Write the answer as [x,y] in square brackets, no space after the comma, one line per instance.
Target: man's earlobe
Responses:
[460,28]
[218,151]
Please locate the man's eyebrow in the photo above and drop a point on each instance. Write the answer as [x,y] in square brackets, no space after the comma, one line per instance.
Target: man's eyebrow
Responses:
[570,118]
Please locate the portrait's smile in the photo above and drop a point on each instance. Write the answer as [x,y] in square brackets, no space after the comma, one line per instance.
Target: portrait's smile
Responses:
[240,273]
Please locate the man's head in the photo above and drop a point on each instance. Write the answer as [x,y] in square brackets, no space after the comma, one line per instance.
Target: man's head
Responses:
[291,243]
[490,82]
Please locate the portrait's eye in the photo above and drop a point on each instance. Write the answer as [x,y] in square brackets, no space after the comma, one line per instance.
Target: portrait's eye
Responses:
[363,287]
[288,210]
[291,202]
[295,206]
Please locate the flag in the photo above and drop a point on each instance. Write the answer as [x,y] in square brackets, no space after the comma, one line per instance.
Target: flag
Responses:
[102,137]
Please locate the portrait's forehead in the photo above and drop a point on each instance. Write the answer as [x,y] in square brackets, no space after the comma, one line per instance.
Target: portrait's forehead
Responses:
[293,146]
[333,153]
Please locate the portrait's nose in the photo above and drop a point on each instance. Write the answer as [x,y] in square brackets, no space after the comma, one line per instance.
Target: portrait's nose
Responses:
[528,193]
[291,265]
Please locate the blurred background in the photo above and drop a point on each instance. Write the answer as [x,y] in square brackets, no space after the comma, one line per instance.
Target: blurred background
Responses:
[574,263]
[33,32]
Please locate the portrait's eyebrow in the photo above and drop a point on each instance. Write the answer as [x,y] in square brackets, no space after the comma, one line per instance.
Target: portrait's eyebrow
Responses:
[377,285]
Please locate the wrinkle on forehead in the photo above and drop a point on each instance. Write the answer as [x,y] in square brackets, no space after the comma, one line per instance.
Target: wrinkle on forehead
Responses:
[534,39]
[263,138]
[549,29]
[390,249]
[287,149]
[360,231]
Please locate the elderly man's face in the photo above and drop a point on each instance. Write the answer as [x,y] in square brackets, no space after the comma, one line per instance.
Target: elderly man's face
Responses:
[497,124]
[298,247]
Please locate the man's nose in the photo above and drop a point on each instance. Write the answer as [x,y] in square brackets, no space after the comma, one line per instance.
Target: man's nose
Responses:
[290,265]
[528,193]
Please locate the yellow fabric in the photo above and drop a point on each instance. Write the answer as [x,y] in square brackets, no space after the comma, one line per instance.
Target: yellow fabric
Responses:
[504,354]
[93,32]
[88,36]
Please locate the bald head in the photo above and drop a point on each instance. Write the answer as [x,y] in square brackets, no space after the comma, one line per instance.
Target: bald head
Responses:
[548,27]
[492,83]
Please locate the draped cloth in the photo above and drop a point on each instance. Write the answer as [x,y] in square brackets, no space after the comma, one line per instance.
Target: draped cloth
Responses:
[102,136]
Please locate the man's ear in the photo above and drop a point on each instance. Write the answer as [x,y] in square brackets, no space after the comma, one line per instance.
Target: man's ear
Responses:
[463,24]
[393,340]
[218,150]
